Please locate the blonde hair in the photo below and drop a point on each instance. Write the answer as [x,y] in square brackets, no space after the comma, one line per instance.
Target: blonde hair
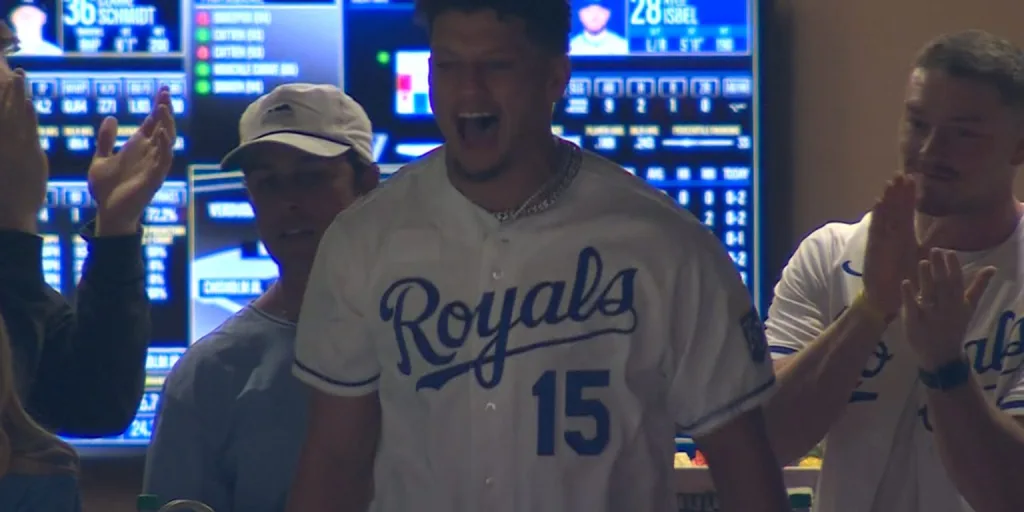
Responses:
[26,447]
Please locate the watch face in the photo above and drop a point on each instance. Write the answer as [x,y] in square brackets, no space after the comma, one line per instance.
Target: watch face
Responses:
[948,376]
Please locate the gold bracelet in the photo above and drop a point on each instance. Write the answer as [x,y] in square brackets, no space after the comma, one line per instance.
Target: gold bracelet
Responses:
[870,309]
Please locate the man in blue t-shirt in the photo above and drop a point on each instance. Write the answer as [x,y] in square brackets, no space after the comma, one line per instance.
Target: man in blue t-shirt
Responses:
[232,417]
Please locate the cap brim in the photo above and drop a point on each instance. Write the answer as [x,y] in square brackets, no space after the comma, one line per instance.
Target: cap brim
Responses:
[305,143]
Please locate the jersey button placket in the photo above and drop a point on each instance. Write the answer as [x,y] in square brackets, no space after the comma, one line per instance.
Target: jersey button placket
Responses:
[493,432]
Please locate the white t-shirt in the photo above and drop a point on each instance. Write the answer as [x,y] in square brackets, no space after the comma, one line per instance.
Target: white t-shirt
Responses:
[38,47]
[538,365]
[880,456]
[604,43]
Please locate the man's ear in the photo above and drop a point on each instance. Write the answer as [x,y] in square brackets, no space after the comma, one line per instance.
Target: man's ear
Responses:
[1018,150]
[1017,158]
[561,70]
[369,179]
[248,191]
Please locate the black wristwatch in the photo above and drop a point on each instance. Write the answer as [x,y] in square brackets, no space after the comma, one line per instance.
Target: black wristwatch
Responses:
[948,376]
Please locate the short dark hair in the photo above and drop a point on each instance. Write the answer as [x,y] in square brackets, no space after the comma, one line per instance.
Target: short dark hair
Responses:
[547,21]
[981,56]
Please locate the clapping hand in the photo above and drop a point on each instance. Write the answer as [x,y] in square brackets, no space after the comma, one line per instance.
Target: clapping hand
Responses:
[23,165]
[124,183]
[936,311]
[892,247]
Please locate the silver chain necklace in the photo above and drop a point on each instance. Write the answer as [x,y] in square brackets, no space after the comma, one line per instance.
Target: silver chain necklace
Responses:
[548,195]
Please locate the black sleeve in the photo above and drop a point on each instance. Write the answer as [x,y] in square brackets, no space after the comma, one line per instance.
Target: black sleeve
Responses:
[81,369]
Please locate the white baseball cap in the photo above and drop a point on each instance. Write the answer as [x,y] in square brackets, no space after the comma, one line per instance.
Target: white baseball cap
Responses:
[317,119]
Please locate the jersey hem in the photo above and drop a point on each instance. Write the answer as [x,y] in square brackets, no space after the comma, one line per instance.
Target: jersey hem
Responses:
[736,407]
[333,386]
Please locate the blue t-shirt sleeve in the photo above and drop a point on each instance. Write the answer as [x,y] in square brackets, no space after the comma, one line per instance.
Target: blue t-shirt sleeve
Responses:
[180,462]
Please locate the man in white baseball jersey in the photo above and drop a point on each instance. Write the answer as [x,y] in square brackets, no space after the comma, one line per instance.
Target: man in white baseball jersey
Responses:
[231,417]
[920,415]
[513,324]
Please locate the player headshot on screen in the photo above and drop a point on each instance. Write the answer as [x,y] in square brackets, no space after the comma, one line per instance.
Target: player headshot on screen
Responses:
[899,337]
[29,20]
[232,417]
[596,38]
[504,326]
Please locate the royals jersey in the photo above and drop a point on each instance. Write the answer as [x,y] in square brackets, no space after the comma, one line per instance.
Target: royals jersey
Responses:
[539,365]
[880,455]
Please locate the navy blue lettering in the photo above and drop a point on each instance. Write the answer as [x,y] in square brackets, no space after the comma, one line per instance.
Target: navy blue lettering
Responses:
[922,413]
[410,304]
[548,306]
[990,355]
[412,326]
[457,313]
[882,356]
[849,269]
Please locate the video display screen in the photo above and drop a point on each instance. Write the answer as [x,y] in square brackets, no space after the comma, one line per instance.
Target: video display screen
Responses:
[230,266]
[670,89]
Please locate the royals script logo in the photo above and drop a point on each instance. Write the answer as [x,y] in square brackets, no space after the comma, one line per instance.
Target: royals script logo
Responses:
[593,304]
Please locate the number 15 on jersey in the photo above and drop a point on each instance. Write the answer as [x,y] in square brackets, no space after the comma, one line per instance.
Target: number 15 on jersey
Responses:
[577,402]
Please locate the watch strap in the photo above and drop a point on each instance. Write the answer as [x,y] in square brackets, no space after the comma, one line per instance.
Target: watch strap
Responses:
[948,376]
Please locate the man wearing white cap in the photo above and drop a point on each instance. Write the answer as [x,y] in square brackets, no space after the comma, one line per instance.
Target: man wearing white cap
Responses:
[232,418]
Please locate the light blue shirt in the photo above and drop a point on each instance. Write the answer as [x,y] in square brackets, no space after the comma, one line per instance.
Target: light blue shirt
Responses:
[232,419]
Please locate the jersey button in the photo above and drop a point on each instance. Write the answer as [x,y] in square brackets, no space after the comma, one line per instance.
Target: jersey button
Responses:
[489,481]
[497,274]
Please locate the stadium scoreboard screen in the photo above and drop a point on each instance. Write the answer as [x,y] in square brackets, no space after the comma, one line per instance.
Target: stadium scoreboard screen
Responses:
[669,89]
[120,27]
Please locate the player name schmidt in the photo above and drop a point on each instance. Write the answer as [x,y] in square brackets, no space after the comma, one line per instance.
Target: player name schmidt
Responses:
[556,313]
[108,13]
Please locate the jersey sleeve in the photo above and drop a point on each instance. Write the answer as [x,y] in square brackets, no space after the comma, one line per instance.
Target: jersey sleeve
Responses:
[1012,402]
[333,349]
[722,368]
[798,313]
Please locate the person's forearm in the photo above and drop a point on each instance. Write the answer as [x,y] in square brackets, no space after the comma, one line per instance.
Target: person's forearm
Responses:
[814,386]
[108,226]
[981,448]
[92,372]
[769,497]
[323,486]
[767,493]
[113,325]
